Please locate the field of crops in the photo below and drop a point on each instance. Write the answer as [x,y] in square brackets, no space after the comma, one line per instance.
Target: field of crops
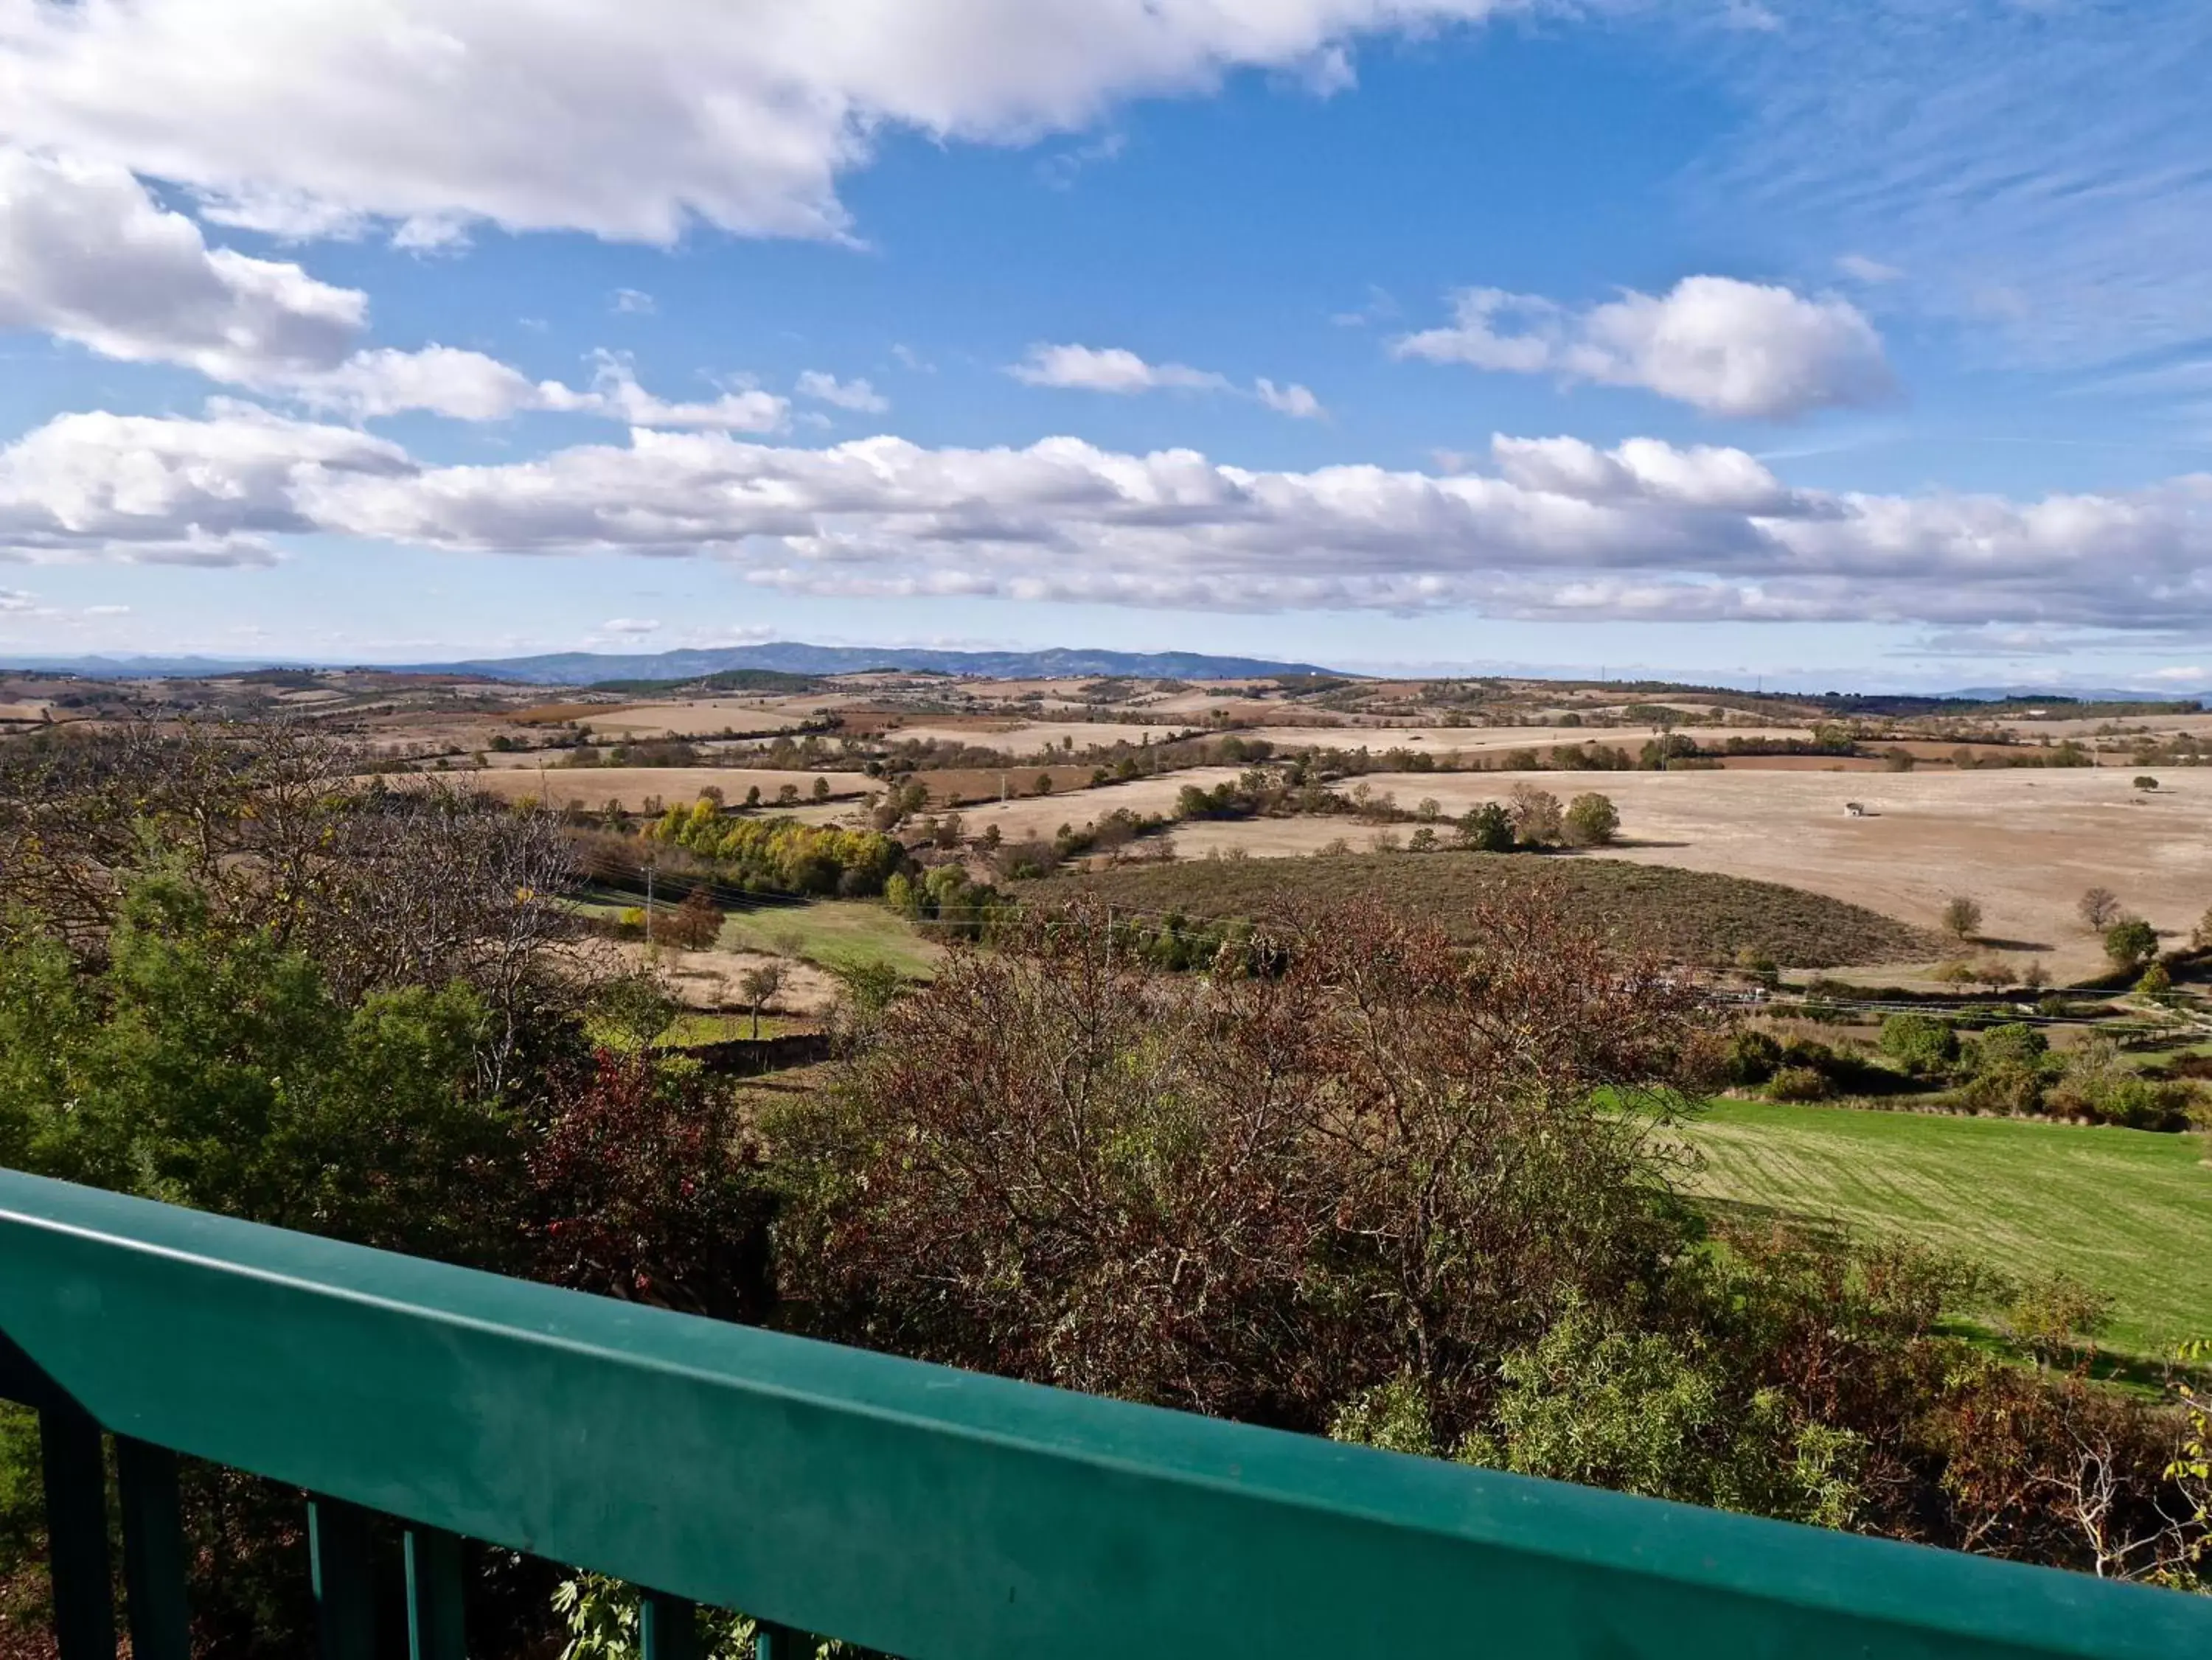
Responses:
[2126,1212]
[1695,916]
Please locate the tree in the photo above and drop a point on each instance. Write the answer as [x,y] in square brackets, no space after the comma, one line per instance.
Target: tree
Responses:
[821,789]
[1923,1043]
[1592,821]
[2146,782]
[694,925]
[760,984]
[1962,916]
[1536,816]
[1248,1194]
[1487,829]
[2200,937]
[2130,944]
[788,796]
[1043,785]
[2098,909]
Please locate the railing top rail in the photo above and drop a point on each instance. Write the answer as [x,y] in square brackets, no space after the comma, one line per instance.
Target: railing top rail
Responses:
[927,1511]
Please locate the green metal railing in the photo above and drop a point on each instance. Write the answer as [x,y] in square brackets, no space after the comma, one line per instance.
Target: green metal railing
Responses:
[909,1508]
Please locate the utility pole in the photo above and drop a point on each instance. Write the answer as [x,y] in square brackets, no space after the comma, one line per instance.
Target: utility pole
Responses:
[649,862]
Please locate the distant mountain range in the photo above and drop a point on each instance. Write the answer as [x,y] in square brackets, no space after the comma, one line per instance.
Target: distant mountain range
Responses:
[783,657]
[796,658]
[793,658]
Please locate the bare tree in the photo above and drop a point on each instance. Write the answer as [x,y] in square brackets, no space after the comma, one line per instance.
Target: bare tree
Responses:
[2098,909]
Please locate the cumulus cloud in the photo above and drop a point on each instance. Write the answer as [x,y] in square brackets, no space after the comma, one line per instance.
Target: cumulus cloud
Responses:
[86,255]
[89,256]
[165,490]
[631,302]
[1726,347]
[315,120]
[1119,370]
[855,394]
[1541,528]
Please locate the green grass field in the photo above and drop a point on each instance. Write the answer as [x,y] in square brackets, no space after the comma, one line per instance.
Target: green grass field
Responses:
[2126,1212]
[834,930]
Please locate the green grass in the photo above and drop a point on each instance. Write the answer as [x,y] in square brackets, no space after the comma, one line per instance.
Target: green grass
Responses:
[2126,1212]
[1694,916]
[834,930]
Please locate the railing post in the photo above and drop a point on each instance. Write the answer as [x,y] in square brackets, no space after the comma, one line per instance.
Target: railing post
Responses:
[153,1551]
[773,1642]
[76,1478]
[434,1625]
[345,1600]
[668,1628]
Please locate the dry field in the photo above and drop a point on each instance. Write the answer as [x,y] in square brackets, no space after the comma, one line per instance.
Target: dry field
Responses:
[1040,816]
[2025,843]
[1029,737]
[595,786]
[693,718]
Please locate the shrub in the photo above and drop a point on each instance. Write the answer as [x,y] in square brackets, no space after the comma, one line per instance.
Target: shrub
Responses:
[2016,1043]
[1058,1163]
[1920,1042]
[2004,1088]
[1536,816]
[1592,821]
[1752,1056]
[2156,981]
[2130,944]
[1798,1083]
[1487,829]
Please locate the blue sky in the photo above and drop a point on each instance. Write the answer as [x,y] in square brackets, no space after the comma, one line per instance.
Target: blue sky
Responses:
[1863,344]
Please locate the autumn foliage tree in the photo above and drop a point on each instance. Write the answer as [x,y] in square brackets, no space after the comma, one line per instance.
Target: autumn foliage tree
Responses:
[1247,1194]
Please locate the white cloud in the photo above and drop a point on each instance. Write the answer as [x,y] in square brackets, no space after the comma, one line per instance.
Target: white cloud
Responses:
[631,302]
[631,625]
[1293,400]
[856,395]
[1860,269]
[206,491]
[1726,347]
[1119,370]
[1108,369]
[86,255]
[615,392]
[14,599]
[628,122]
[2180,673]
[107,610]
[1548,528]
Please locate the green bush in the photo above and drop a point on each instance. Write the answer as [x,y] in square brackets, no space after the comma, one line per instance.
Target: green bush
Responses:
[2130,943]
[2014,1044]
[1799,1083]
[1920,1042]
[1751,1057]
